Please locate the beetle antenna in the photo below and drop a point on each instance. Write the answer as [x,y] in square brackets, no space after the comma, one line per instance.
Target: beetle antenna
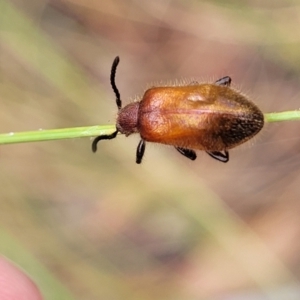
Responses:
[118,101]
[113,82]
[103,137]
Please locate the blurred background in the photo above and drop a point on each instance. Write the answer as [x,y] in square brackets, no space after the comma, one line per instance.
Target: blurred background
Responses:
[98,226]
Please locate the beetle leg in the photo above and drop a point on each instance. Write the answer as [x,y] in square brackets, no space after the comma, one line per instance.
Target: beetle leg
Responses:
[140,150]
[218,155]
[224,81]
[103,137]
[191,154]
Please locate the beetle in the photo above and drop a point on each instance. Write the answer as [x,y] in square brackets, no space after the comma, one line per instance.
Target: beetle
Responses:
[198,116]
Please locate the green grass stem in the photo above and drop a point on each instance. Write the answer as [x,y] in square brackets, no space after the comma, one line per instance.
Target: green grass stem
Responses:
[282,116]
[55,134]
[91,131]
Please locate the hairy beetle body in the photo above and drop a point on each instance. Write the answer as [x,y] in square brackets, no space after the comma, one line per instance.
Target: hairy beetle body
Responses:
[210,117]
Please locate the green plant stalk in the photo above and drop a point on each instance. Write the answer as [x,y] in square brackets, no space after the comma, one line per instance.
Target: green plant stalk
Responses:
[282,116]
[55,134]
[91,131]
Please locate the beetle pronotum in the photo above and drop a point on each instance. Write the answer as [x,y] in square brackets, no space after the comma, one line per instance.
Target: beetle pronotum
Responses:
[198,116]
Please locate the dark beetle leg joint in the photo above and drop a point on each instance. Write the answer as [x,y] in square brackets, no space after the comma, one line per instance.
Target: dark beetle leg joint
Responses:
[223,157]
[140,150]
[224,81]
[191,154]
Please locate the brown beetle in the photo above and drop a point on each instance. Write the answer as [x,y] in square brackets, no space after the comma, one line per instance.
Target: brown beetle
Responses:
[210,117]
